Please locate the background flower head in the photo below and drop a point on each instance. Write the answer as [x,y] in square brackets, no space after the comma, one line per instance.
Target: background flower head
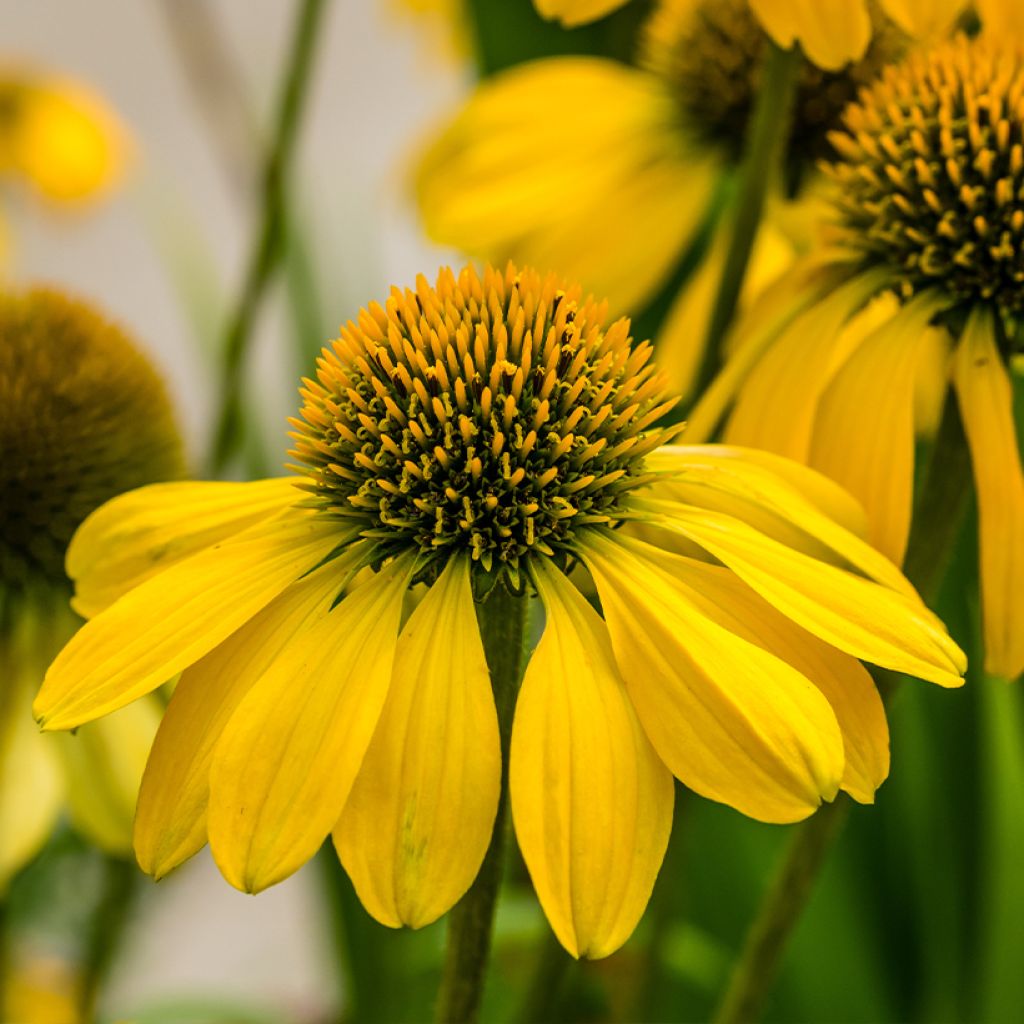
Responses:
[83,417]
[59,137]
[928,211]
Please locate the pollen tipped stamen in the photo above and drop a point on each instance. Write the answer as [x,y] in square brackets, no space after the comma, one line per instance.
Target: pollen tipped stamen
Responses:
[467,431]
[931,173]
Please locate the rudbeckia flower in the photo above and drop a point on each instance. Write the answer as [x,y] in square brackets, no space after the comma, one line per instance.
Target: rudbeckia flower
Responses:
[83,416]
[481,441]
[620,199]
[59,137]
[930,216]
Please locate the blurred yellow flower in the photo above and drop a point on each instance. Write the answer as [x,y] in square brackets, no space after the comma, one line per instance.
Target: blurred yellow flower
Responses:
[82,417]
[59,137]
[577,12]
[832,33]
[930,179]
[608,173]
[473,440]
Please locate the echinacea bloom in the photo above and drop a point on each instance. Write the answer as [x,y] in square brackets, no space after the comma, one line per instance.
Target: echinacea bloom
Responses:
[931,218]
[59,137]
[481,437]
[83,416]
[832,33]
[640,181]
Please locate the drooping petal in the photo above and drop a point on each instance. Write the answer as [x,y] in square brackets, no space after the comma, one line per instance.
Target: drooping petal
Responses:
[986,406]
[769,316]
[591,801]
[170,824]
[864,432]
[31,787]
[103,763]
[845,683]
[831,32]
[285,763]
[777,403]
[419,818]
[172,619]
[857,615]
[732,721]
[926,19]
[683,334]
[138,534]
[612,210]
[576,12]
[779,497]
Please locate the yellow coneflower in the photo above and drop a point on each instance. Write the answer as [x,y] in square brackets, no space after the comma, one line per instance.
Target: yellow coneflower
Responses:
[930,214]
[473,441]
[59,137]
[83,416]
[620,205]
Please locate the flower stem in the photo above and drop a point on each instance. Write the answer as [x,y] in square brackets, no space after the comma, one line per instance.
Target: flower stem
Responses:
[767,135]
[937,518]
[266,252]
[547,986]
[503,624]
[110,918]
[4,954]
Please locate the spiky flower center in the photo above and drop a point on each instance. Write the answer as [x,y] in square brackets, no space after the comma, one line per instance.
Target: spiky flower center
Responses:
[931,173]
[493,415]
[711,53]
[83,417]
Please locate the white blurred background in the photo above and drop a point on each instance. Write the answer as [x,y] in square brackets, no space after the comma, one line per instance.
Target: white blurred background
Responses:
[164,257]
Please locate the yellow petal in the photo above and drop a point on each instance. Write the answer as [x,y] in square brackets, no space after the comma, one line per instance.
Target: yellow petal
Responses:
[103,763]
[929,18]
[831,32]
[145,531]
[779,497]
[769,316]
[591,801]
[611,210]
[170,825]
[843,680]
[285,763]
[873,455]
[31,789]
[857,615]
[986,405]
[419,819]
[732,721]
[1002,18]
[177,616]
[778,401]
[576,12]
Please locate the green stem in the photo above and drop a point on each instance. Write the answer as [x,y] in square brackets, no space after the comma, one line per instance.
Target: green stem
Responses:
[940,505]
[357,940]
[547,986]
[765,145]
[266,252]
[937,519]
[503,623]
[5,953]
[106,931]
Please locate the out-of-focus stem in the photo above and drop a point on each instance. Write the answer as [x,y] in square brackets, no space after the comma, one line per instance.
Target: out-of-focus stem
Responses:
[106,930]
[760,170]
[266,251]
